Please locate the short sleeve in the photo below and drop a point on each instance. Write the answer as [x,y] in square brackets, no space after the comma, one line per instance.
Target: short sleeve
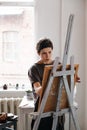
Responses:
[33,75]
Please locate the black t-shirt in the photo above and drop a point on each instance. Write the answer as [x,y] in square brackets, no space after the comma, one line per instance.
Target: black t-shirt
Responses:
[35,74]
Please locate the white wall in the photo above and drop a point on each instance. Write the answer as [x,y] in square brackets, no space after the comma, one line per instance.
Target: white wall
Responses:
[51,21]
[48,22]
[77,46]
[86,64]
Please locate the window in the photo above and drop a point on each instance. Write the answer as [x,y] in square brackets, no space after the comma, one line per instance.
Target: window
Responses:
[16,41]
[10,43]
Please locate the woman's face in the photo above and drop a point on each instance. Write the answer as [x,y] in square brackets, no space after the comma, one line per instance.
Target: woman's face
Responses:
[46,54]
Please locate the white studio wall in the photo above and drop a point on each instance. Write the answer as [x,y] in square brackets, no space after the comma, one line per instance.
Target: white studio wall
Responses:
[51,21]
[86,63]
[77,46]
[47,14]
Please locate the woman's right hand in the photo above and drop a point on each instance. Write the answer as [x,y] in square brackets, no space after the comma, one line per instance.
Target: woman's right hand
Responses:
[37,88]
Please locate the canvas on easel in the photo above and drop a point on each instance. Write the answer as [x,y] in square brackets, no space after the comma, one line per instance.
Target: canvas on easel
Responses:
[53,94]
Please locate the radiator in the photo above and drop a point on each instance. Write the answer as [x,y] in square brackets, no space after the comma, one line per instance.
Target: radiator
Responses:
[10,105]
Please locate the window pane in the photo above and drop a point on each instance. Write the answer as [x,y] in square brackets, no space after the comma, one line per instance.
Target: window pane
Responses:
[16,42]
[10,42]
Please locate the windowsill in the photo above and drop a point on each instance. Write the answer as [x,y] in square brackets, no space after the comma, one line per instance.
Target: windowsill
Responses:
[12,93]
[12,90]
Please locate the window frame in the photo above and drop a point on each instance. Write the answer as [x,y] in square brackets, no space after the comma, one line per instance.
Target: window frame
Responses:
[5,76]
[17,3]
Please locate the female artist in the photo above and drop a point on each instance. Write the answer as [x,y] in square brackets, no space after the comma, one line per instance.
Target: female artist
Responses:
[44,49]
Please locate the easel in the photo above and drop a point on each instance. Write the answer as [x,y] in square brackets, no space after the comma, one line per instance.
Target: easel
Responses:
[63,83]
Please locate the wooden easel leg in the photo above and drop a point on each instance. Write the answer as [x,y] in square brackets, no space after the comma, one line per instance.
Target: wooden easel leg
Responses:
[69,121]
[55,118]
[72,110]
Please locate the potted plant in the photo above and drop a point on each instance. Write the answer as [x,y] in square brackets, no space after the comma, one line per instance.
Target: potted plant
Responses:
[29,94]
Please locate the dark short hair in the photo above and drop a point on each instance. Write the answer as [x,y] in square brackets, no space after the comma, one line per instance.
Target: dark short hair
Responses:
[44,43]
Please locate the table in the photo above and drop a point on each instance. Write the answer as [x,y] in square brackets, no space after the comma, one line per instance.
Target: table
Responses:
[26,106]
[9,123]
